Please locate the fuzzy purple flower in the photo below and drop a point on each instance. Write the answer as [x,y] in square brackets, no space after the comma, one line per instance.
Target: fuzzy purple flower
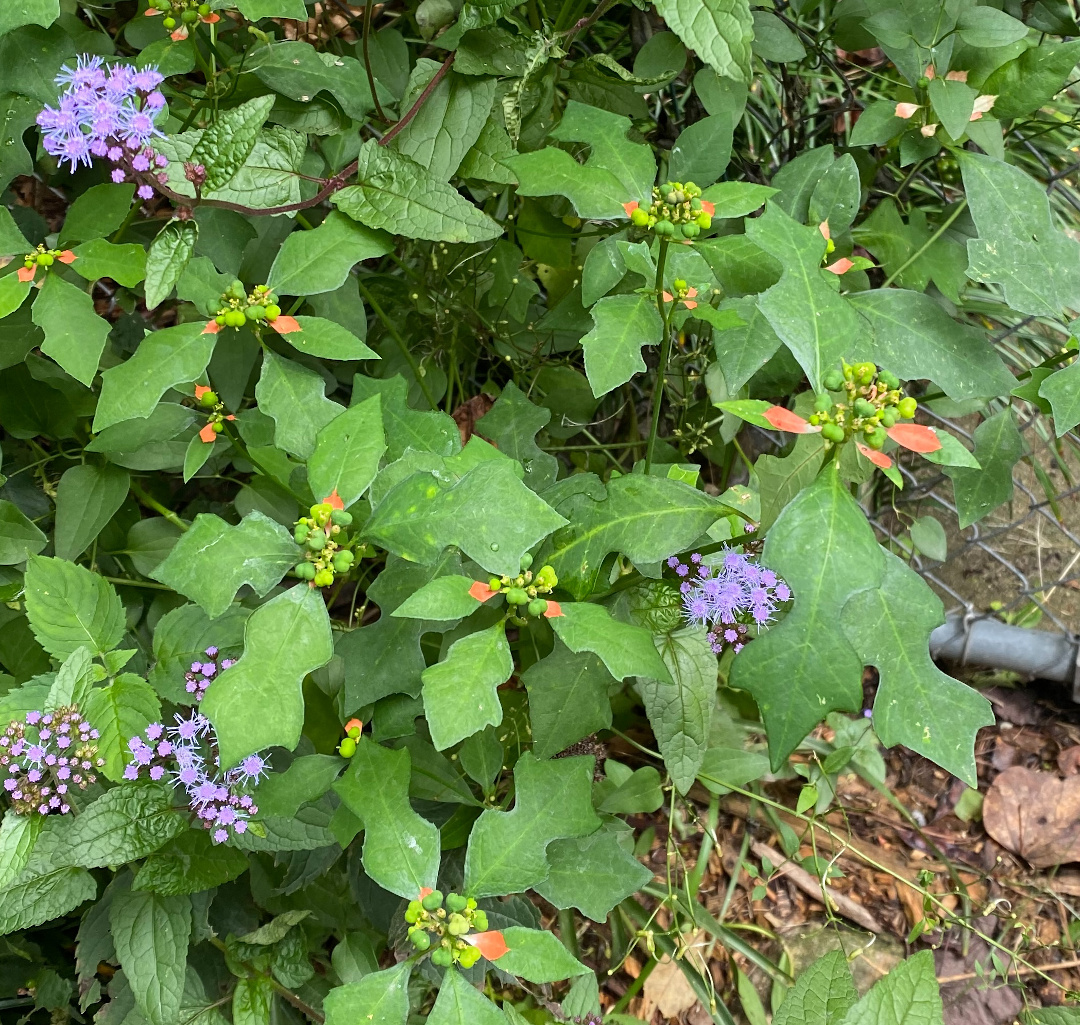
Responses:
[201,673]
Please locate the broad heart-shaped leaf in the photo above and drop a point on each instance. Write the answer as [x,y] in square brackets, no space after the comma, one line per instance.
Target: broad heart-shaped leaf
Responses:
[18,834]
[539,956]
[591,873]
[168,256]
[450,121]
[74,334]
[568,699]
[164,359]
[401,849]
[299,71]
[423,514]
[320,337]
[295,399]
[511,425]
[458,1003]
[69,607]
[916,705]
[190,863]
[398,195]
[404,427]
[214,559]
[998,447]
[461,692]
[625,649]
[804,667]
[908,995]
[721,32]
[259,701]
[87,497]
[151,933]
[119,712]
[34,899]
[953,103]
[381,998]
[225,146]
[680,712]
[645,518]
[1019,248]
[347,452]
[813,321]
[622,324]
[19,536]
[916,339]
[1062,390]
[822,994]
[316,261]
[506,848]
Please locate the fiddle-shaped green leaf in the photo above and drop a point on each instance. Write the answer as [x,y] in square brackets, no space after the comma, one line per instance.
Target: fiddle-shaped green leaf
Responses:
[74,334]
[622,324]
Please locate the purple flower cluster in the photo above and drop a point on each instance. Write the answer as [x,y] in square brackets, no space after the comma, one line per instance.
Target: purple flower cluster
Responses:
[728,597]
[107,112]
[185,755]
[45,757]
[201,674]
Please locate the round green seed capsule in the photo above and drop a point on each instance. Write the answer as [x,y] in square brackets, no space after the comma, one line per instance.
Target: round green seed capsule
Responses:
[833,433]
[864,407]
[480,921]
[889,416]
[456,903]
[341,518]
[526,561]
[887,379]
[833,380]
[168,23]
[305,571]
[494,583]
[876,440]
[691,230]
[442,957]
[420,939]
[433,901]
[236,290]
[273,312]
[189,17]
[517,596]
[823,403]
[324,578]
[316,541]
[640,217]
[208,399]
[347,747]
[537,607]
[906,407]
[468,957]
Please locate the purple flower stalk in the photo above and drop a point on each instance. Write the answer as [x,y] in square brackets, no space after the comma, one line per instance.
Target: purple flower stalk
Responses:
[202,674]
[185,755]
[107,112]
[45,758]
[728,598]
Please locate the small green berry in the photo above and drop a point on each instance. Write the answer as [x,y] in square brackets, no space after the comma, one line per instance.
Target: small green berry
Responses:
[208,399]
[833,380]
[305,571]
[906,407]
[456,903]
[889,416]
[347,747]
[420,939]
[864,407]
[887,379]
[433,901]
[189,17]
[823,403]
[691,230]
[168,23]
[833,433]
[442,957]
[517,596]
[876,440]
[537,607]
[341,518]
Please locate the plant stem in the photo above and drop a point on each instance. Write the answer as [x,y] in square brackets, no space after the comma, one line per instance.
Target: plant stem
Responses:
[152,503]
[568,931]
[926,245]
[665,353]
[367,63]
[420,100]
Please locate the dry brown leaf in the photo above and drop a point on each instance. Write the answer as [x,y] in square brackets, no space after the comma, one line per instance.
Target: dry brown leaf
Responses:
[469,412]
[666,988]
[1035,814]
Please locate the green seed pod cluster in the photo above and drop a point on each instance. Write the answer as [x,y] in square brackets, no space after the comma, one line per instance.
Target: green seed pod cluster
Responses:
[677,211]
[870,403]
[353,729]
[440,925]
[238,307]
[41,257]
[328,552]
[523,592]
[182,12]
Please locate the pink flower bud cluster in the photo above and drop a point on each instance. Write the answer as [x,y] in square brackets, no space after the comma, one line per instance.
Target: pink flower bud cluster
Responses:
[202,674]
[45,757]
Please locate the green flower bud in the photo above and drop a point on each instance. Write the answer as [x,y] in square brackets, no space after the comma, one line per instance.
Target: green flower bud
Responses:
[833,433]
[537,607]
[412,912]
[814,419]
[823,403]
[546,579]
[494,583]
[217,427]
[833,380]
[906,407]
[517,596]
[324,578]
[864,372]
[456,903]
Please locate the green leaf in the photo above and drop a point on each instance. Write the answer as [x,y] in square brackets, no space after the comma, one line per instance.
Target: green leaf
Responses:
[953,103]
[593,874]
[721,31]
[13,293]
[916,705]
[998,447]
[877,124]
[12,242]
[18,834]
[73,681]
[190,863]
[908,995]
[35,899]
[625,649]
[724,767]
[458,1003]
[1050,1016]
[397,194]
[226,145]
[461,692]
[87,497]
[1062,390]
[312,262]
[17,114]
[404,427]
[425,513]
[306,779]
[622,324]
[511,425]
[539,956]
[258,702]
[987,26]
[29,12]
[644,518]
[506,852]
[151,934]
[812,320]
[837,195]
[780,479]
[680,714]
[169,254]
[125,264]
[299,71]
[804,666]
[928,535]
[381,998]
[295,398]
[401,849]
[450,121]
[124,824]
[1026,83]
[915,338]
[19,537]
[443,599]
[741,351]
[568,699]
[253,1001]
[119,712]
[951,453]
[97,212]
[164,359]
[276,929]
[69,607]
[320,337]
[822,994]
[213,559]
[74,334]
[347,452]
[1019,248]
[774,41]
